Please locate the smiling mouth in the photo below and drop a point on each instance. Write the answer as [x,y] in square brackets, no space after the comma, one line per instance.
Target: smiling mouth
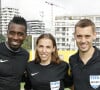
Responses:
[15,43]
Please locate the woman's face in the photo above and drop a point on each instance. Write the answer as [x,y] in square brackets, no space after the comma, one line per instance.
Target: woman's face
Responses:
[45,49]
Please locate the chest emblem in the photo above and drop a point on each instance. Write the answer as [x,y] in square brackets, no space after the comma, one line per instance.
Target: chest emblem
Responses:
[95,81]
[55,85]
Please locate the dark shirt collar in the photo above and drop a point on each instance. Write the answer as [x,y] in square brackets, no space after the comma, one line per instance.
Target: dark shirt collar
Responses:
[95,55]
[11,49]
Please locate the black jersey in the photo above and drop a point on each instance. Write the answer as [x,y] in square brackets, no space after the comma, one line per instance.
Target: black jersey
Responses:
[86,77]
[49,77]
[12,67]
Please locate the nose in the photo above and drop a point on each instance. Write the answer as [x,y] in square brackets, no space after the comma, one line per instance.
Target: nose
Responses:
[44,49]
[83,39]
[15,36]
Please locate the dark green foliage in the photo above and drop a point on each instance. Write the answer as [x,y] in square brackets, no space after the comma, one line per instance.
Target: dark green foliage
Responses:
[2,38]
[28,43]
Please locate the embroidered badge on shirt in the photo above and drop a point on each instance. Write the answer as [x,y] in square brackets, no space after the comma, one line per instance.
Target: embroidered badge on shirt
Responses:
[95,81]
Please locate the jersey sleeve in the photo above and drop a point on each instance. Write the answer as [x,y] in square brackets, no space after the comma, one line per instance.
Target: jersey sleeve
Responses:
[27,81]
[68,80]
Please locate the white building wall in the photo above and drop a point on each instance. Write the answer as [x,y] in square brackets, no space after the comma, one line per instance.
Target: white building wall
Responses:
[64,30]
[7,14]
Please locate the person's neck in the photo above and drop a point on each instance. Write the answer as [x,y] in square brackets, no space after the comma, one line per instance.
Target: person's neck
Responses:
[6,43]
[85,56]
[44,63]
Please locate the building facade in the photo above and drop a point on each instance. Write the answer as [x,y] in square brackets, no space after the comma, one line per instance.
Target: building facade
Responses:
[64,30]
[35,27]
[0,20]
[6,15]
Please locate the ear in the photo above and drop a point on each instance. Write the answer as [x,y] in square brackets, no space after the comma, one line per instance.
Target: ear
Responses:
[94,35]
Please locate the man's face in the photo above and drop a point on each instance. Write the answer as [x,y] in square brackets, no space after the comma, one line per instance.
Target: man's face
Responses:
[16,35]
[84,38]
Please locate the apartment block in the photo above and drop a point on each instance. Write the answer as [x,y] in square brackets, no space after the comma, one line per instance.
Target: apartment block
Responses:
[35,27]
[7,14]
[64,29]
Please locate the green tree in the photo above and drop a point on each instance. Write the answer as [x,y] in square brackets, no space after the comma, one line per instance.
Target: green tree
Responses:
[2,38]
[28,43]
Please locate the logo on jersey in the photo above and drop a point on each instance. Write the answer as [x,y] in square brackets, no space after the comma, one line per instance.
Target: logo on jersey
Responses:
[55,85]
[33,74]
[2,61]
[95,81]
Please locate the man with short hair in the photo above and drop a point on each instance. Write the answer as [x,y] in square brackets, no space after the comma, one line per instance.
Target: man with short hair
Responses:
[85,64]
[13,58]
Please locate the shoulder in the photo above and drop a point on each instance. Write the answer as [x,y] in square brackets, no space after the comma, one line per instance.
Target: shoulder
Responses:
[74,57]
[33,66]
[31,63]
[64,64]
[24,51]
[2,44]
[97,50]
[3,47]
